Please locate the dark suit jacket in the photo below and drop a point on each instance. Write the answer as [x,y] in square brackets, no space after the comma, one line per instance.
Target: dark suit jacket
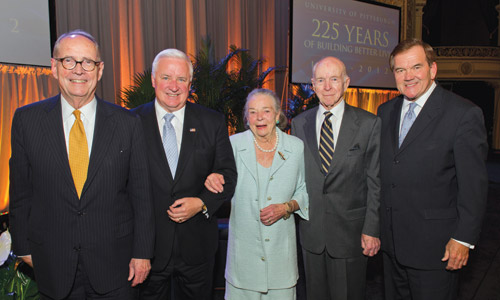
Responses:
[344,203]
[433,187]
[205,149]
[113,221]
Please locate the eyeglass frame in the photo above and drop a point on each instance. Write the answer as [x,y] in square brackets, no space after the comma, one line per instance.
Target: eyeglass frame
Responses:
[61,59]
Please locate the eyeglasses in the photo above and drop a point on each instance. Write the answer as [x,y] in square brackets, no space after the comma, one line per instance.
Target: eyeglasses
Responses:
[69,63]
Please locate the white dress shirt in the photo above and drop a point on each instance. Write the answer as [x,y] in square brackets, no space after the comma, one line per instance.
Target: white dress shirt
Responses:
[177,122]
[338,113]
[88,112]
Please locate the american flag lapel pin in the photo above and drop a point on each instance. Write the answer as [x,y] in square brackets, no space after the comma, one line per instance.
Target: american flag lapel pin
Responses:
[192,129]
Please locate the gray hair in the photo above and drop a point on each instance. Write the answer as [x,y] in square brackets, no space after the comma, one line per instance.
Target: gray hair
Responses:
[76,32]
[173,53]
[283,121]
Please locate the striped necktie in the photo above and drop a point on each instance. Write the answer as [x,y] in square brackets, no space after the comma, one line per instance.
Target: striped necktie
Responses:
[78,153]
[326,147]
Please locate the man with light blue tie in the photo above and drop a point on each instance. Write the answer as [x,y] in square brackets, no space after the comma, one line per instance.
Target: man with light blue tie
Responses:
[434,181]
[186,142]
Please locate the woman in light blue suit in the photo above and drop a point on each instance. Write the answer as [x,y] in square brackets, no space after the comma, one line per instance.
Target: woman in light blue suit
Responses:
[262,254]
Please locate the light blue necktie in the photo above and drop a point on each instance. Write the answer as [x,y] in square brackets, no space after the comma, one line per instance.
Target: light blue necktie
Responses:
[408,120]
[170,143]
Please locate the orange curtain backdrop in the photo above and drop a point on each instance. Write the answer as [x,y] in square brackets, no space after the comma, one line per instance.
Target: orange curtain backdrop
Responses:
[21,85]
[368,99]
[132,32]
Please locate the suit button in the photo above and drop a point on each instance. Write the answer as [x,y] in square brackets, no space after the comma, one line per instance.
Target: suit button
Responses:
[76,248]
[80,213]
[396,162]
[269,198]
[393,185]
[263,258]
[267,240]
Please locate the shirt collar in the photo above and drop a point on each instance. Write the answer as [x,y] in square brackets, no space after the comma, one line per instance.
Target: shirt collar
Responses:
[337,110]
[87,111]
[160,112]
[422,99]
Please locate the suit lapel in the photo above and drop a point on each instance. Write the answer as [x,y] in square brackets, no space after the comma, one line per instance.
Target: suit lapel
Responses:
[189,131]
[431,110]
[52,126]
[278,159]
[311,136]
[348,130]
[153,138]
[103,135]
[395,119]
[248,156]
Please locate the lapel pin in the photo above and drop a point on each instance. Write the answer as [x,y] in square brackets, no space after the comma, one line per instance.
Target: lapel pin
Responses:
[281,155]
[192,129]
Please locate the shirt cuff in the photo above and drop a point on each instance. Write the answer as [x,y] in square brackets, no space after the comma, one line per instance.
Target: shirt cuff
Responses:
[465,244]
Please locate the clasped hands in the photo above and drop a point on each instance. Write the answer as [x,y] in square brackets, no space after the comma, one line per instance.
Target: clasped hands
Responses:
[268,215]
[184,209]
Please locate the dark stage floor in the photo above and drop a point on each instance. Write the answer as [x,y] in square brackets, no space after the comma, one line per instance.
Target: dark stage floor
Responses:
[480,279]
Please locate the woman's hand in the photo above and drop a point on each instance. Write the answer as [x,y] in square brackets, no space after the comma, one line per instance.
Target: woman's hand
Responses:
[215,183]
[272,213]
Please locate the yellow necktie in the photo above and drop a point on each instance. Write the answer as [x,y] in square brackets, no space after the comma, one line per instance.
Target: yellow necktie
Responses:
[78,153]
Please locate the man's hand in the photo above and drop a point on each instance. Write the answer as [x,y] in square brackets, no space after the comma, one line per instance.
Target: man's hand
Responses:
[138,270]
[27,260]
[184,209]
[456,254]
[370,245]
[215,183]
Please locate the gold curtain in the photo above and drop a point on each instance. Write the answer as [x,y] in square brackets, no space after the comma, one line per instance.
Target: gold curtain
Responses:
[21,85]
[368,99]
[132,32]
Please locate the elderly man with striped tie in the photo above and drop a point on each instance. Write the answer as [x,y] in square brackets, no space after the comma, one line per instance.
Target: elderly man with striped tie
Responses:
[342,146]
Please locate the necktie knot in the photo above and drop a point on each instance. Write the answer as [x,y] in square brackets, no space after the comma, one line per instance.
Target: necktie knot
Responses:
[327,114]
[77,114]
[412,107]
[168,117]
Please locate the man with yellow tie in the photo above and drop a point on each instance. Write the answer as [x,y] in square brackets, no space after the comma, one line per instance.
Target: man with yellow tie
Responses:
[80,204]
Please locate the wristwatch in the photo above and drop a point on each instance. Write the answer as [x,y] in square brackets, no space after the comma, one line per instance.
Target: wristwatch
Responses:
[204,210]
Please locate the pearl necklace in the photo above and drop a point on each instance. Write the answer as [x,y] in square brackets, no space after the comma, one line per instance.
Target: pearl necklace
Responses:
[264,150]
